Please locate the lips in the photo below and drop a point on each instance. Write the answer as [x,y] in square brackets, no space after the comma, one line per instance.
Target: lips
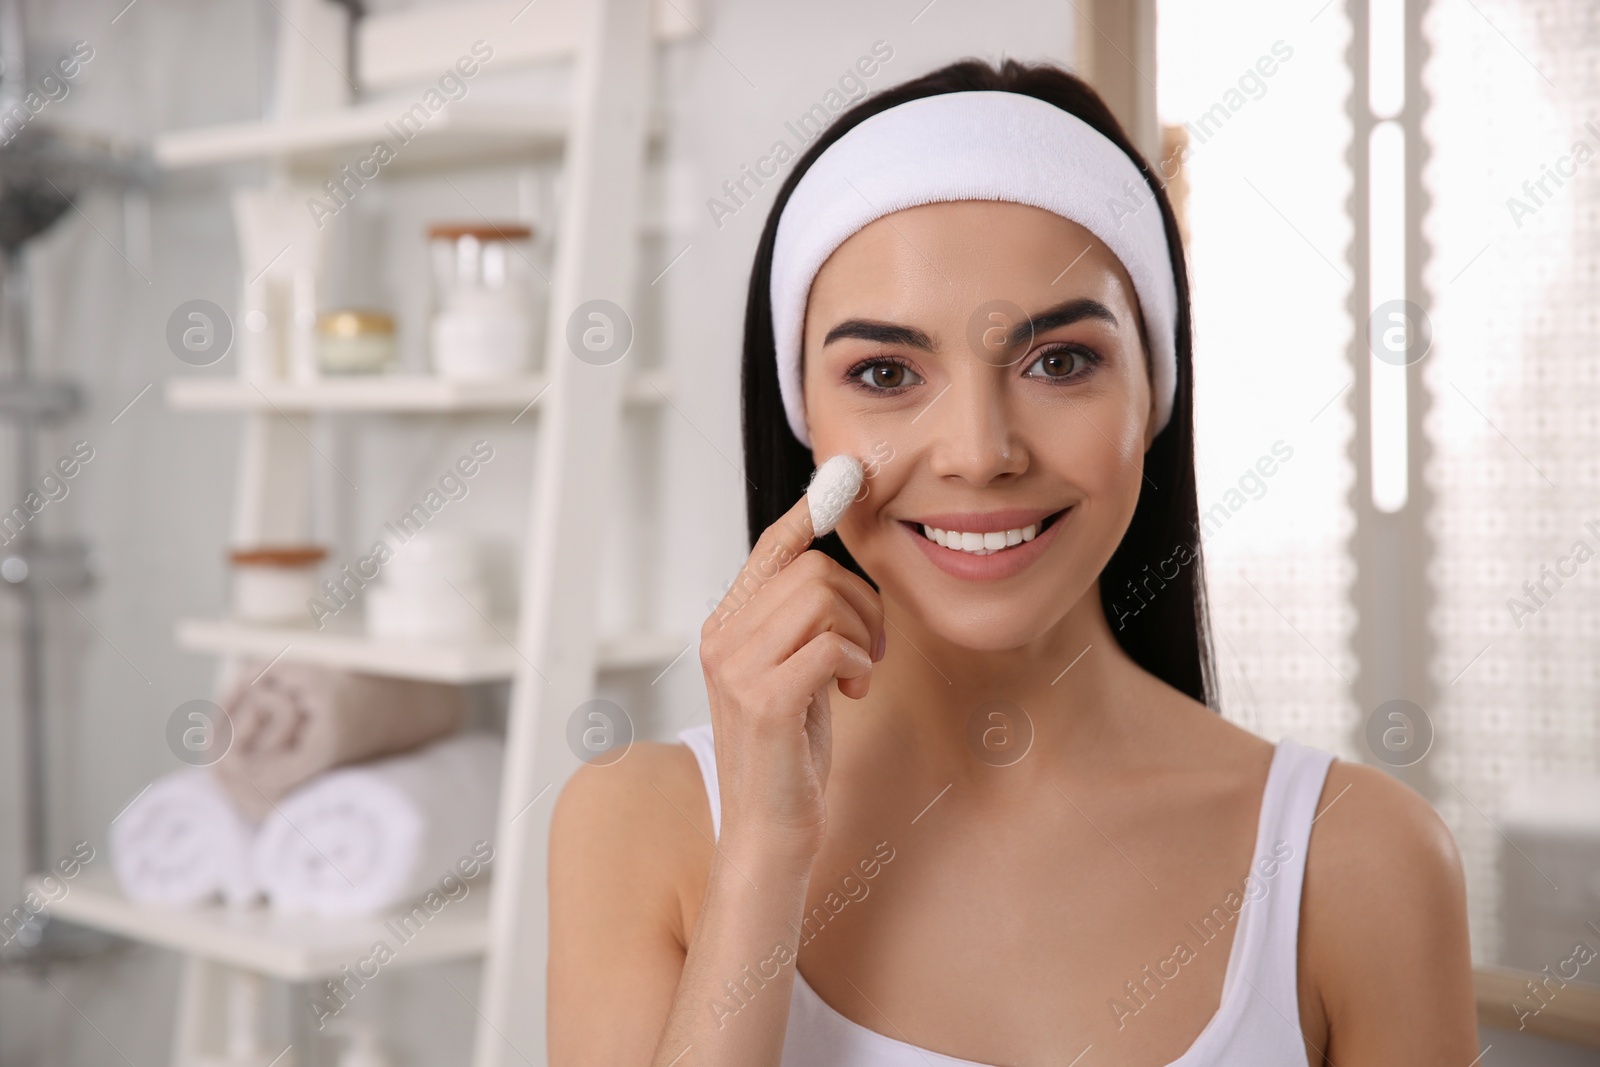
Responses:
[985,521]
[984,543]
[994,564]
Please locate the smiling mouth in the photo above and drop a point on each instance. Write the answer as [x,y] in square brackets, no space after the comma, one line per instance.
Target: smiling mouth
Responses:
[985,544]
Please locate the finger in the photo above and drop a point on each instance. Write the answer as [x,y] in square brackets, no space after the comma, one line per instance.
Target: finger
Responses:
[812,594]
[822,659]
[866,602]
[810,610]
[783,541]
[779,545]
[794,618]
[833,488]
[855,688]
[866,624]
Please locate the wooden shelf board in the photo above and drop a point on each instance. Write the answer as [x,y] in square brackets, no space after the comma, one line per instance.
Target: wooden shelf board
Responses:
[631,651]
[493,660]
[463,132]
[1572,1012]
[292,948]
[379,393]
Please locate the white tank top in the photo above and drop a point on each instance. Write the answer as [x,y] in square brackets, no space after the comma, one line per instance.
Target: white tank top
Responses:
[1257,1024]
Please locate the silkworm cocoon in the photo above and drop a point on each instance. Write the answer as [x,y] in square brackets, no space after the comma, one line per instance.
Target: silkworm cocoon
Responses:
[833,486]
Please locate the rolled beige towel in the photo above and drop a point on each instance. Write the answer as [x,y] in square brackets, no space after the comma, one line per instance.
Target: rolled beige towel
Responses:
[300,719]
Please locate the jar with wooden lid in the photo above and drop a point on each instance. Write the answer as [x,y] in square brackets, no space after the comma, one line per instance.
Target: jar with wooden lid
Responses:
[272,584]
[486,299]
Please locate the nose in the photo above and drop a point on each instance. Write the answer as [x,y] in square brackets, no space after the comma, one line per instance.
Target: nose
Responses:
[973,429]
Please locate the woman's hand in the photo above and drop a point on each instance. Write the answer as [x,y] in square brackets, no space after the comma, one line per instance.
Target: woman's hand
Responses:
[793,622]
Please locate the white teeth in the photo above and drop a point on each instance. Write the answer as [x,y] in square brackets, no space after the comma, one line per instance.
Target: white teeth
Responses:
[980,544]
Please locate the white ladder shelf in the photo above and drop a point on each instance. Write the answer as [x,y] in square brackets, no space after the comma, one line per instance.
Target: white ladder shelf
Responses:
[579,413]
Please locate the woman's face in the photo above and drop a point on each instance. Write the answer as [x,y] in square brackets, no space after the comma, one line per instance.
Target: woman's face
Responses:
[983,360]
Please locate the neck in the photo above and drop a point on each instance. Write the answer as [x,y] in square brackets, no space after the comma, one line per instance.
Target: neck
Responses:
[1066,699]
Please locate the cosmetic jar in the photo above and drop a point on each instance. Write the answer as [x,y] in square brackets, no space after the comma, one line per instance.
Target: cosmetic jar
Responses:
[353,341]
[271,584]
[432,589]
[485,307]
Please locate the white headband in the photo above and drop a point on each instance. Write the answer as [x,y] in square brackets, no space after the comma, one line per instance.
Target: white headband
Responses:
[979,145]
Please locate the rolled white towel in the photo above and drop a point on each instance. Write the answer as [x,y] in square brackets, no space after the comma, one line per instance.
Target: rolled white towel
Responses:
[360,838]
[182,842]
[298,720]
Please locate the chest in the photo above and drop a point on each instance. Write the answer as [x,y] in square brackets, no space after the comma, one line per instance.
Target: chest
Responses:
[1028,939]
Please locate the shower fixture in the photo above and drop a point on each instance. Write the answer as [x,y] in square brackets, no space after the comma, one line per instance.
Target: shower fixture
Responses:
[44,167]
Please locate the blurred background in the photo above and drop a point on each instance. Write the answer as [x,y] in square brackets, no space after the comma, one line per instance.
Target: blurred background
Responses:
[371,455]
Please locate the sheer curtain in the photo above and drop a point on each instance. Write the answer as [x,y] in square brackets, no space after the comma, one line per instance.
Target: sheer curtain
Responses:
[1511,482]
[1515,432]
[1258,88]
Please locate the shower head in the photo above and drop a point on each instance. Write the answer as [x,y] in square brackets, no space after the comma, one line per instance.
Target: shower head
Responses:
[27,210]
[44,168]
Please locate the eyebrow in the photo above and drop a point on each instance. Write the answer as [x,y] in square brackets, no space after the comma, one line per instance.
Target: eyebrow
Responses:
[1061,315]
[890,333]
[886,333]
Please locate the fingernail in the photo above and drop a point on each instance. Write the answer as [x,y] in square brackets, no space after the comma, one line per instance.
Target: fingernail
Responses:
[879,644]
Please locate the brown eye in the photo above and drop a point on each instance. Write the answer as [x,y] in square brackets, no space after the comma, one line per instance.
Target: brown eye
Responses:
[884,375]
[1057,364]
[1063,364]
[887,375]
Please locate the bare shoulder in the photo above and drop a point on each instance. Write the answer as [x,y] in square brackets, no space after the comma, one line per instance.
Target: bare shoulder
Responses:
[637,830]
[1378,850]
[1384,922]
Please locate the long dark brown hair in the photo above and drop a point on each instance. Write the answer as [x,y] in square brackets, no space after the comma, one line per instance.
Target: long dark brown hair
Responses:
[1159,620]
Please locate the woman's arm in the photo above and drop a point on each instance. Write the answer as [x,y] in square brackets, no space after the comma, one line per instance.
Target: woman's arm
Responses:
[792,627]
[620,857]
[732,1004]
[625,842]
[1385,915]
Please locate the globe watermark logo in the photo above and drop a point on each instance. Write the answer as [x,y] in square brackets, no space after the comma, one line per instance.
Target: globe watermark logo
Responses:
[1399,332]
[199,732]
[599,332]
[1399,733]
[199,332]
[599,732]
[999,733]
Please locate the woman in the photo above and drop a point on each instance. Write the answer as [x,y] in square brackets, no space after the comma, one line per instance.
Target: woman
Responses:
[965,798]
